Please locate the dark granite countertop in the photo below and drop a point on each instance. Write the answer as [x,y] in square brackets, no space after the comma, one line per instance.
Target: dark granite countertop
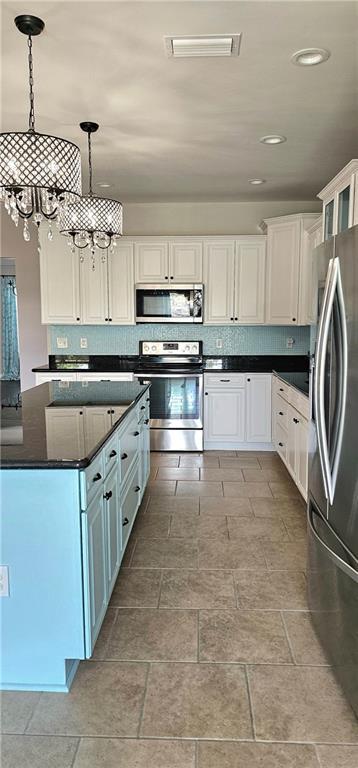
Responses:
[125,363]
[297,379]
[29,446]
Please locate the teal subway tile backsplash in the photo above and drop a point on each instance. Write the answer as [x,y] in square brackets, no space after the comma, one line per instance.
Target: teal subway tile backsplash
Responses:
[237,340]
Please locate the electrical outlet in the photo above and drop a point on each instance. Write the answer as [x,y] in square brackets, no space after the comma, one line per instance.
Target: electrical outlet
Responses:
[4,581]
[62,342]
[290,342]
[219,343]
[83,343]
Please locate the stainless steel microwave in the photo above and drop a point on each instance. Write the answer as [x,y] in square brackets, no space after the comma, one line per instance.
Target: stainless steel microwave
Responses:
[169,303]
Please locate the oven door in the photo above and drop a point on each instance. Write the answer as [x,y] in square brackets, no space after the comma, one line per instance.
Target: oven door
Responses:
[172,304]
[176,400]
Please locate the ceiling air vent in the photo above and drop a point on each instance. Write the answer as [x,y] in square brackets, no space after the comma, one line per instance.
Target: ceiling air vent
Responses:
[202,45]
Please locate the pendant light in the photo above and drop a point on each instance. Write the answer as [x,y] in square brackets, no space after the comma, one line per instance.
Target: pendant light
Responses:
[91,221]
[38,172]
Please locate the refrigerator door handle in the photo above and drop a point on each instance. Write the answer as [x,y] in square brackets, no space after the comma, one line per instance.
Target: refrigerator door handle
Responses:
[338,561]
[343,374]
[318,390]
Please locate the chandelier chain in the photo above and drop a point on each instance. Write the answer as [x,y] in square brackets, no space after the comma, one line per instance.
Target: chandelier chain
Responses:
[31,90]
[90,163]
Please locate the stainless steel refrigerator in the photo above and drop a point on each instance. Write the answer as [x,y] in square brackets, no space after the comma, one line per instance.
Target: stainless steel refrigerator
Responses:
[333,460]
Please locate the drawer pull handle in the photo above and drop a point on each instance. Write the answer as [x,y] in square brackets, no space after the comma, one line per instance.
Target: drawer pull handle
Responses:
[280,413]
[296,421]
[125,521]
[142,407]
[146,421]
[281,444]
[135,434]
[137,488]
[97,477]
[108,495]
[124,456]
[112,453]
[225,380]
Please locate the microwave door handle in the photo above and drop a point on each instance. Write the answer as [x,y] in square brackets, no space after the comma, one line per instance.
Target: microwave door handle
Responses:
[322,342]
[343,377]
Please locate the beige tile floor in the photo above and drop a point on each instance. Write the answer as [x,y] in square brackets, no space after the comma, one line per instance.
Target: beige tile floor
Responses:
[207,657]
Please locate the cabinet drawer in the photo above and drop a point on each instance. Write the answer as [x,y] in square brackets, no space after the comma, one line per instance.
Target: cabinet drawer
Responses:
[281,441]
[283,390]
[111,454]
[128,446]
[300,402]
[224,380]
[143,410]
[129,504]
[92,477]
[104,376]
[281,412]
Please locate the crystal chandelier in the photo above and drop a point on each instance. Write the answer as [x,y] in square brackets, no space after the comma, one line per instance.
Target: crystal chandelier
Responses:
[91,221]
[38,173]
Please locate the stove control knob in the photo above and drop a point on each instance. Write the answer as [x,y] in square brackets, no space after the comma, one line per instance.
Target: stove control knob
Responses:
[153,348]
[187,348]
[146,348]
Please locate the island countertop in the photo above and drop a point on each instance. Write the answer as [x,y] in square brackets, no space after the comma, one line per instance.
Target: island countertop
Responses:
[30,448]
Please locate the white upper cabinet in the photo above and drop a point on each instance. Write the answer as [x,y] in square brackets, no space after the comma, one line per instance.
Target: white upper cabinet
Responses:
[151,262]
[250,281]
[186,262]
[258,408]
[285,277]
[309,294]
[94,291]
[219,265]
[121,285]
[340,201]
[60,281]
[178,261]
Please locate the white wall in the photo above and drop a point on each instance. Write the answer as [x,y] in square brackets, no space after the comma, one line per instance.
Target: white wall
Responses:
[32,335]
[207,218]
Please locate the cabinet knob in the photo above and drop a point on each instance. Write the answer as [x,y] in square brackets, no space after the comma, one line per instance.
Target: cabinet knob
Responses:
[147,399]
[109,412]
[205,393]
[142,407]
[248,379]
[281,444]
[108,495]
[296,421]
[112,453]
[112,411]
[124,456]
[109,319]
[281,389]
[137,488]
[78,318]
[125,521]
[146,421]
[231,318]
[106,319]
[135,434]
[172,277]
[293,319]
[236,318]
[280,413]
[166,277]
[97,477]
[81,413]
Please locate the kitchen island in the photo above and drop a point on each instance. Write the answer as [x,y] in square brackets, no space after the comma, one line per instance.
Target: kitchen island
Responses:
[72,479]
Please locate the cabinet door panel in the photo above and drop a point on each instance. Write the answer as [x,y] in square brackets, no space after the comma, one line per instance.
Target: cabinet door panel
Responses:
[258,408]
[219,259]
[94,289]
[97,424]
[302,455]
[283,264]
[65,432]
[250,281]
[151,262]
[291,441]
[224,413]
[130,503]
[121,285]
[185,262]
[60,281]
[113,527]
[94,569]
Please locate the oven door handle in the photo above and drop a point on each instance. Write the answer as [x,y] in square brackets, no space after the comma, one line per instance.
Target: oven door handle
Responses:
[168,375]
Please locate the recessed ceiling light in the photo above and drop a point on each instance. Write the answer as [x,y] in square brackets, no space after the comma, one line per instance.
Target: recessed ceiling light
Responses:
[273,139]
[103,184]
[257,181]
[309,57]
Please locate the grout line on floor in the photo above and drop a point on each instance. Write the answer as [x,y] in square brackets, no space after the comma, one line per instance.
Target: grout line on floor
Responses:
[32,714]
[198,634]
[160,586]
[315,746]
[76,752]
[288,638]
[250,702]
[141,716]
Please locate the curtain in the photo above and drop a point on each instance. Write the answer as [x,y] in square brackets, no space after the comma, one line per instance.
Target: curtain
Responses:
[10,363]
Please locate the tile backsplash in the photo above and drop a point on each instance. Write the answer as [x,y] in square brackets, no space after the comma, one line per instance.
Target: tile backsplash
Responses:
[237,340]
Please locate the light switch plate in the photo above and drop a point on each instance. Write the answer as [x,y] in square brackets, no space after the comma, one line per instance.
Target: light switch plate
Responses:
[219,343]
[290,342]
[83,343]
[62,342]
[4,581]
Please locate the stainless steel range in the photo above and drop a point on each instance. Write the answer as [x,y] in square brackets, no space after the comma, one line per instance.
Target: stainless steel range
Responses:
[174,369]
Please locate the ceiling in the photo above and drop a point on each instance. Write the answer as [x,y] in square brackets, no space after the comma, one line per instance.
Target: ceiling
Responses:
[189,129]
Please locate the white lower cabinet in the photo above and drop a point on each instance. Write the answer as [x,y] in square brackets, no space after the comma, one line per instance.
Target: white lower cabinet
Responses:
[41,378]
[93,523]
[237,411]
[65,431]
[290,411]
